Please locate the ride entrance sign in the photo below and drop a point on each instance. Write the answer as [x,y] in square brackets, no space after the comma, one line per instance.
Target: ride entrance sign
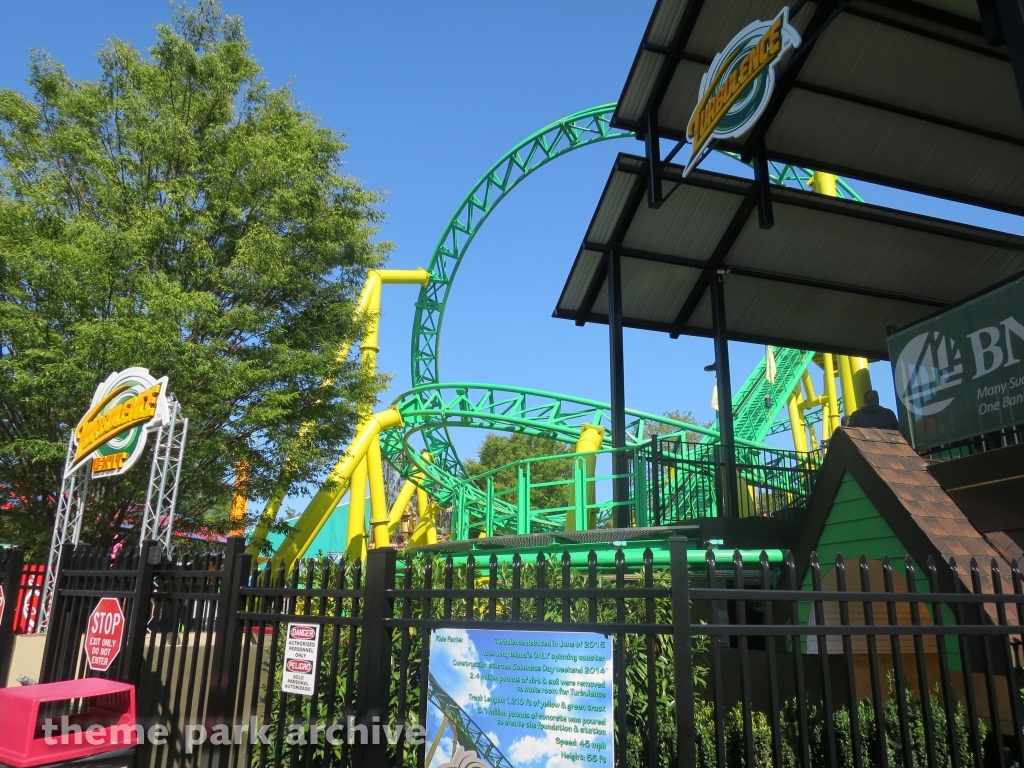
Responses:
[960,373]
[518,699]
[104,634]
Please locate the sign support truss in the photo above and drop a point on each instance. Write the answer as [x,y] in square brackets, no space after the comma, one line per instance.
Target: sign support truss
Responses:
[66,528]
[161,500]
[164,475]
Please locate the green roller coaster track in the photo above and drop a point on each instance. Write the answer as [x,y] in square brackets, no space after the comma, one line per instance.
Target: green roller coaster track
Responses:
[430,408]
[469,732]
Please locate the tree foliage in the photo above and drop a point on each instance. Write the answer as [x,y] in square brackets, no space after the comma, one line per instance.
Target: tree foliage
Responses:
[180,214]
[498,450]
[654,429]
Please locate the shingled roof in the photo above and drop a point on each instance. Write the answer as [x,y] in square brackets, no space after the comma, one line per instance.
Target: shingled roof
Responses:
[925,519]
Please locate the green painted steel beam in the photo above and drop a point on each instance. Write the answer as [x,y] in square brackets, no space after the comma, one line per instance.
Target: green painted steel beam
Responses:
[431,409]
[537,150]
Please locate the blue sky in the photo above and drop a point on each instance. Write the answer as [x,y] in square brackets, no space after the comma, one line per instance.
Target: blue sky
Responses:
[430,95]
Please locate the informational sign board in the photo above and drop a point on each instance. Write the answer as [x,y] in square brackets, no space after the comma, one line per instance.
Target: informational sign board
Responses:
[300,650]
[961,373]
[104,634]
[519,699]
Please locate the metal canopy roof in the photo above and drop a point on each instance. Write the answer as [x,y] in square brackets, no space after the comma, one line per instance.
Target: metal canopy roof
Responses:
[907,93]
[831,275]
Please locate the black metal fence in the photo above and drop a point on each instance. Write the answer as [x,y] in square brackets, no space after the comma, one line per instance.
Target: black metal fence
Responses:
[716,662]
[11,560]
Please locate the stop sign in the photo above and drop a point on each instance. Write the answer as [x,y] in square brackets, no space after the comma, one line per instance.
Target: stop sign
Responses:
[104,634]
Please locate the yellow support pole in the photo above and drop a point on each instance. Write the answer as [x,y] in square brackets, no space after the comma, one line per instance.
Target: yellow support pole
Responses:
[422,502]
[861,377]
[797,423]
[809,393]
[591,439]
[378,498]
[331,492]
[831,415]
[850,403]
[425,532]
[368,303]
[400,505]
[355,537]
[824,183]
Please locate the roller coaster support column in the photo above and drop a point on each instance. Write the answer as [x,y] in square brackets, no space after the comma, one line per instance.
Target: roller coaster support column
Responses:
[326,499]
[861,378]
[728,505]
[401,503]
[378,499]
[831,423]
[846,384]
[620,484]
[591,439]
[355,534]
[425,531]
[797,422]
[368,304]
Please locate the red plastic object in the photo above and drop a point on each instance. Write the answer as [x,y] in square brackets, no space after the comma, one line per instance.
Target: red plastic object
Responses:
[97,702]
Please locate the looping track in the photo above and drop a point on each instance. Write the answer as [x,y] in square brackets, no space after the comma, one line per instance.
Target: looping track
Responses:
[430,408]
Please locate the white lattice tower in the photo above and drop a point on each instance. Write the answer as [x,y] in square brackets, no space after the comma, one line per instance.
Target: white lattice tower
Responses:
[66,529]
[164,475]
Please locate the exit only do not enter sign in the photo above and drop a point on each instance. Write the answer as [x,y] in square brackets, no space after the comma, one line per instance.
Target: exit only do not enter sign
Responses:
[104,634]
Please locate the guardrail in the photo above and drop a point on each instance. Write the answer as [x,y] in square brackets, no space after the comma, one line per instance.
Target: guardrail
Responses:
[669,481]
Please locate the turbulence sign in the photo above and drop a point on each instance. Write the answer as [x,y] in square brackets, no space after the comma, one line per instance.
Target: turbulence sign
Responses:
[518,699]
[961,373]
[736,88]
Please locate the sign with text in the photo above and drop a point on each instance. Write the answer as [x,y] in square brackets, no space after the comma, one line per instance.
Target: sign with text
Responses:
[104,634]
[738,85]
[520,698]
[125,408]
[300,649]
[961,373]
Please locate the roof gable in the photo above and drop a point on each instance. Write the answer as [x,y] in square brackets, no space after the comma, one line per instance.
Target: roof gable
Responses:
[910,502]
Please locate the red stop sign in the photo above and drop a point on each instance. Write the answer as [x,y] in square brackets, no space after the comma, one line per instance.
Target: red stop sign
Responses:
[104,634]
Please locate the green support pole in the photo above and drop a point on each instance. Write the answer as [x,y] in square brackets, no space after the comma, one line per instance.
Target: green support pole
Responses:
[580,488]
[639,489]
[489,511]
[524,500]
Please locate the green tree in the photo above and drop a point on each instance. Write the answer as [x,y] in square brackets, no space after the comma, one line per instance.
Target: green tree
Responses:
[653,429]
[180,214]
[498,450]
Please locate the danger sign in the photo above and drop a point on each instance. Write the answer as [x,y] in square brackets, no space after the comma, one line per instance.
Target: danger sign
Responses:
[300,651]
[104,634]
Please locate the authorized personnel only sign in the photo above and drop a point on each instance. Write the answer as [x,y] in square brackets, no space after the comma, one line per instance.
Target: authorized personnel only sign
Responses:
[104,634]
[300,649]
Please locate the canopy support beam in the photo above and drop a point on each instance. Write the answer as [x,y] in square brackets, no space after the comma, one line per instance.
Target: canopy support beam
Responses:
[616,366]
[1011,17]
[727,502]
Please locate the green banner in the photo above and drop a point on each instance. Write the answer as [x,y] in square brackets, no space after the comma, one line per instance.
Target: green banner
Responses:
[961,373]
